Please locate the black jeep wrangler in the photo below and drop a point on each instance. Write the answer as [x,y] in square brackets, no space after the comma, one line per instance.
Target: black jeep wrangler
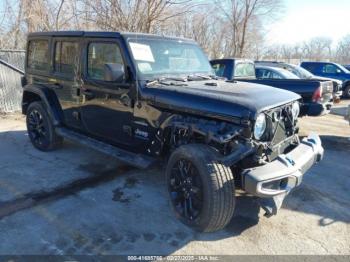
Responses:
[145,98]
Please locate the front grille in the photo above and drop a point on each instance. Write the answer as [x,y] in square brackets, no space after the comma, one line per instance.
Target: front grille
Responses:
[280,124]
[280,130]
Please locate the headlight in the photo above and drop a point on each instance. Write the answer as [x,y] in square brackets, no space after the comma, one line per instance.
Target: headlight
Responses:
[295,110]
[260,126]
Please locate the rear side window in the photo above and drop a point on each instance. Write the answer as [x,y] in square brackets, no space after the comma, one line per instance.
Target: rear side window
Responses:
[100,54]
[219,69]
[311,67]
[66,57]
[244,70]
[38,55]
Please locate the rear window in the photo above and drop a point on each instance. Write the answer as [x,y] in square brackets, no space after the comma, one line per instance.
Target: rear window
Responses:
[66,57]
[38,55]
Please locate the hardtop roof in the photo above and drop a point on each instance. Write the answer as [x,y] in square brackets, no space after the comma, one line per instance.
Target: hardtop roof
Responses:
[106,34]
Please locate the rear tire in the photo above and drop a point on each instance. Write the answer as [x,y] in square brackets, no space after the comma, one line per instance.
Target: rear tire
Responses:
[40,129]
[204,184]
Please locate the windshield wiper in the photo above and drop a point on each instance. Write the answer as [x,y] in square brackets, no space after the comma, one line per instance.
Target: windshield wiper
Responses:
[168,81]
[196,77]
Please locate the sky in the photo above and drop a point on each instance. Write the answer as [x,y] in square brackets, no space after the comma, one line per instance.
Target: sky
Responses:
[304,19]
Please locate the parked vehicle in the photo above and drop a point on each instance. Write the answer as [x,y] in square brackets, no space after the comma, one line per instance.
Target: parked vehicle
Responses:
[317,95]
[347,67]
[304,74]
[332,70]
[146,98]
[268,72]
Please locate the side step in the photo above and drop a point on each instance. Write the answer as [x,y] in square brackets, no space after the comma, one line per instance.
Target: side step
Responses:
[136,160]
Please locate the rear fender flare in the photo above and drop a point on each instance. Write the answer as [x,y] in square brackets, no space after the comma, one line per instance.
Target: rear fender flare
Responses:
[48,97]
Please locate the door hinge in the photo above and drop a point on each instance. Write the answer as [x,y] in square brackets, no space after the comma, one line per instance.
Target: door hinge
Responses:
[128,130]
[76,115]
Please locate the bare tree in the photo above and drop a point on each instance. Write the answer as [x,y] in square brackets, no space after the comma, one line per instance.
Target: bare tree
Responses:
[318,48]
[342,53]
[240,15]
[135,15]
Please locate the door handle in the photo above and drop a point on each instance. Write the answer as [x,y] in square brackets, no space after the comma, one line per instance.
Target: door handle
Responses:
[88,94]
[125,100]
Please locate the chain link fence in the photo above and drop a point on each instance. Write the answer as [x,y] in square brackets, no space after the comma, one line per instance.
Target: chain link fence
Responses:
[11,68]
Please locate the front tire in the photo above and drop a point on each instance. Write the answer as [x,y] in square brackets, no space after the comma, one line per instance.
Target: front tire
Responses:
[202,190]
[40,129]
[347,91]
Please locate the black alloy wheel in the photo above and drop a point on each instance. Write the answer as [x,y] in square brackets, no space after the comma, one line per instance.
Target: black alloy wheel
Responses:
[40,129]
[186,190]
[37,129]
[201,188]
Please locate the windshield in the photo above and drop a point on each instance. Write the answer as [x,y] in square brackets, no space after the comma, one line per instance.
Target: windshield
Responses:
[344,69]
[167,58]
[301,72]
[286,74]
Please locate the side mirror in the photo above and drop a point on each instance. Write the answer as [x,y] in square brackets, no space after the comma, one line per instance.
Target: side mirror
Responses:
[339,71]
[114,72]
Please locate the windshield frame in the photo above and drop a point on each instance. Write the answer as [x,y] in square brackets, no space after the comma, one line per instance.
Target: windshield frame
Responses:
[152,76]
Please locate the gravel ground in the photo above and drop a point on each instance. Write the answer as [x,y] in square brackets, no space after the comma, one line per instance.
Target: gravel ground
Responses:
[77,201]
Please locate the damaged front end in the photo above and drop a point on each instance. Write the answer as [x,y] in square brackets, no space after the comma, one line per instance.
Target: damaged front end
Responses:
[274,180]
[271,167]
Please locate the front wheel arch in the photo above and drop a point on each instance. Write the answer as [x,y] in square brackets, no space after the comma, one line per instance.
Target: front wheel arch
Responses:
[346,91]
[218,187]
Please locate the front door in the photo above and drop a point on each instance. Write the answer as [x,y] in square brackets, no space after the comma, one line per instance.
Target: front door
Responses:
[332,71]
[107,107]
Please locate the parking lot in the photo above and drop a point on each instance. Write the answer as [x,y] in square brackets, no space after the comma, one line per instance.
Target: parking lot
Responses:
[78,201]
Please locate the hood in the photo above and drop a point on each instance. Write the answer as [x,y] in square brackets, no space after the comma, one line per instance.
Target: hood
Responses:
[219,98]
[327,78]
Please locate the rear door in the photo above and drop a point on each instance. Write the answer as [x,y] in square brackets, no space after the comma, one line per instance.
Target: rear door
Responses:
[64,81]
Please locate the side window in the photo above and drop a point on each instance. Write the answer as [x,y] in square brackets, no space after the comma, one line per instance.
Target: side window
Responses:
[38,55]
[219,69]
[244,70]
[262,73]
[66,57]
[329,69]
[100,54]
[311,67]
[275,75]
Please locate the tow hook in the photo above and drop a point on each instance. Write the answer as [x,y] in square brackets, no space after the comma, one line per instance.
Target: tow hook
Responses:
[272,205]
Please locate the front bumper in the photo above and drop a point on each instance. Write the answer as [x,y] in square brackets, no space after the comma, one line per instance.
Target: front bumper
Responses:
[285,172]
